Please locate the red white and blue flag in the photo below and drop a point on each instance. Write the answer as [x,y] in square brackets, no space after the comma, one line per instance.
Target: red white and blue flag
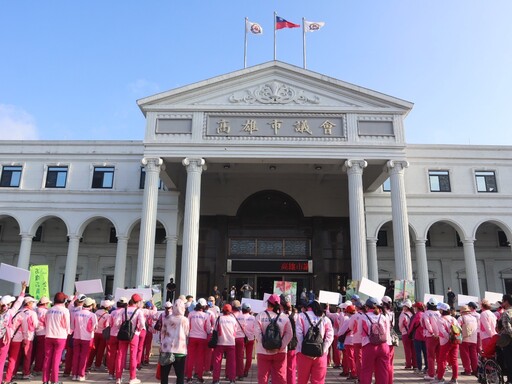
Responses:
[282,23]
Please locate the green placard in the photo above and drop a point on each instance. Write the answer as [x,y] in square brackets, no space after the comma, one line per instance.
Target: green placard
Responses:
[39,286]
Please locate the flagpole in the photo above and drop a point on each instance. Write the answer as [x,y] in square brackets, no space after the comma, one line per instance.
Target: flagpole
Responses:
[245,42]
[304,42]
[275,50]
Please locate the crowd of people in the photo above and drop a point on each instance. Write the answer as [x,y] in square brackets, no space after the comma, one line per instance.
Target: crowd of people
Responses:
[292,345]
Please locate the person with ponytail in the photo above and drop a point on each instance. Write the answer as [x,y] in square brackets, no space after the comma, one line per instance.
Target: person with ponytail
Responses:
[272,362]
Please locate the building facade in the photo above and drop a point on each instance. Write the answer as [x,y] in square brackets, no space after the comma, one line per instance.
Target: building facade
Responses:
[268,173]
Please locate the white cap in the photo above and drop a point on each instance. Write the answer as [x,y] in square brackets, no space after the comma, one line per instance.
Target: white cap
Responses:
[202,302]
[432,301]
[407,303]
[7,299]
[168,304]
[443,307]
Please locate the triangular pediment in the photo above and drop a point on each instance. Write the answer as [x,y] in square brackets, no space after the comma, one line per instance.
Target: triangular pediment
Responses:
[274,85]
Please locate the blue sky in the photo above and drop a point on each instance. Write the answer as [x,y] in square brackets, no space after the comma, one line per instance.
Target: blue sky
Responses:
[73,70]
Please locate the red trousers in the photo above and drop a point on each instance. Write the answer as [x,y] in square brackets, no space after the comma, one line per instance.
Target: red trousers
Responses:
[195,357]
[53,349]
[271,367]
[239,356]
[16,350]
[336,355]
[68,363]
[148,343]
[4,350]
[39,353]
[121,357]
[112,349]
[410,355]
[311,369]
[291,367]
[358,356]
[469,357]
[81,349]
[140,347]
[391,365]
[375,360]
[208,357]
[432,344]
[448,354]
[218,352]
[350,364]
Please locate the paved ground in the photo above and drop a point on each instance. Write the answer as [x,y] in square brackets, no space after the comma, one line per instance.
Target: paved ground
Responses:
[147,375]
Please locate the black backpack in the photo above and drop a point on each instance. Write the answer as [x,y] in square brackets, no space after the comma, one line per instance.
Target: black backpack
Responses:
[272,338]
[313,342]
[127,330]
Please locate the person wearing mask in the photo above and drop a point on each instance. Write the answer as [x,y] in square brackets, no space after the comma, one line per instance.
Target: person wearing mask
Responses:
[249,321]
[404,323]
[24,323]
[200,327]
[431,332]
[349,365]
[488,322]
[448,351]
[226,326]
[114,322]
[57,327]
[375,357]
[310,368]
[84,325]
[98,351]
[468,347]
[138,323]
[416,333]
[173,339]
[272,362]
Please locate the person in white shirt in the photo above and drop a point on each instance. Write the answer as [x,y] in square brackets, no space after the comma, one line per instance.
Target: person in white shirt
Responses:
[468,349]
[85,323]
[42,308]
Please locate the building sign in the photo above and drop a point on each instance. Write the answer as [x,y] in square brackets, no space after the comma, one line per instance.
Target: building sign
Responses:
[270,266]
[282,125]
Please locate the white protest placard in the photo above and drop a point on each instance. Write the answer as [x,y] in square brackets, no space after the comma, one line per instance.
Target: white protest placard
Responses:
[428,296]
[328,297]
[266,296]
[146,293]
[372,289]
[465,299]
[14,274]
[493,297]
[89,286]
[257,306]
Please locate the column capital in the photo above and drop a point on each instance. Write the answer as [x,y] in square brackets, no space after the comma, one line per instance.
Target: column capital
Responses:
[468,241]
[355,166]
[371,240]
[73,236]
[152,163]
[396,166]
[26,235]
[420,241]
[123,238]
[171,238]
[194,164]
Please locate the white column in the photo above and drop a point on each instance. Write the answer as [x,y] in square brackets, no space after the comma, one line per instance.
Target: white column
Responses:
[170,259]
[71,264]
[373,265]
[194,168]
[422,285]
[357,219]
[403,263]
[471,269]
[23,257]
[120,265]
[146,252]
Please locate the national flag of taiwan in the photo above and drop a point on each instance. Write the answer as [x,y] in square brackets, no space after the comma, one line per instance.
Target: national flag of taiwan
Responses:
[282,23]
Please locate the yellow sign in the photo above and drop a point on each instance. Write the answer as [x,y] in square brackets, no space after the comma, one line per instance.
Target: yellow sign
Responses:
[39,281]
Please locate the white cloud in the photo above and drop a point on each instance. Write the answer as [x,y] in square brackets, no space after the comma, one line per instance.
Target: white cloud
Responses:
[16,124]
[143,87]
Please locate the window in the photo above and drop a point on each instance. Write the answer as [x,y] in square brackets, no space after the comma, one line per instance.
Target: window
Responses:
[56,177]
[458,240]
[386,186]
[508,285]
[113,236]
[142,181]
[109,284]
[39,234]
[382,239]
[103,177]
[11,176]
[502,239]
[160,235]
[464,286]
[486,181]
[439,181]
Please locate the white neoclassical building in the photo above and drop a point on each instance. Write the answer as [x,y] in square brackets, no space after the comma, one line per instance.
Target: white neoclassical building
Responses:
[268,173]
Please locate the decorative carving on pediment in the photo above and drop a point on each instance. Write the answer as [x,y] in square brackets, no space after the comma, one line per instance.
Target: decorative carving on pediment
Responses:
[274,93]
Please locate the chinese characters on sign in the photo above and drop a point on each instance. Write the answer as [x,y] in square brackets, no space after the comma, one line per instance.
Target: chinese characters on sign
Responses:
[296,266]
[39,281]
[300,127]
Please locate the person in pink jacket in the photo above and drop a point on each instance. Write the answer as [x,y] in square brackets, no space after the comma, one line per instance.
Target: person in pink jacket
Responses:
[468,348]
[336,319]
[431,333]
[57,330]
[355,326]
[375,354]
[115,320]
[226,326]
[416,333]
[239,339]
[250,323]
[348,362]
[291,353]
[9,306]
[488,322]
[151,314]
[200,328]
[311,368]
[25,323]
[448,351]
[404,323]
[173,338]
[100,344]
[272,362]
[84,325]
[42,308]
